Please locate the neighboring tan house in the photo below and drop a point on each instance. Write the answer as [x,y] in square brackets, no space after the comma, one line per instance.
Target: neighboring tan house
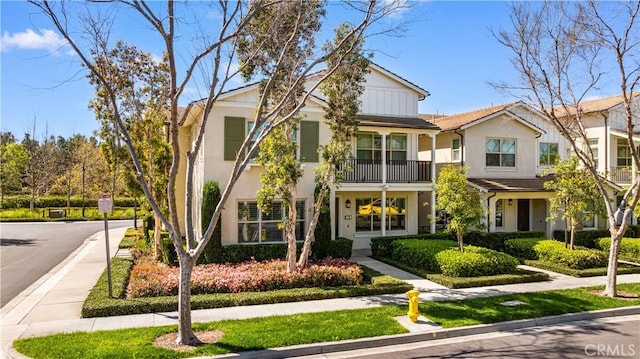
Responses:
[378,195]
[507,149]
[605,124]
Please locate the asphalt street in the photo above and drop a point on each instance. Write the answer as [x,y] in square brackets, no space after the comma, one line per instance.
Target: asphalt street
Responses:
[30,250]
[591,340]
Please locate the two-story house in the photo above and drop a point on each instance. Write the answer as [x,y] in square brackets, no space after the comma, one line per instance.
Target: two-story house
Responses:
[379,192]
[605,124]
[507,149]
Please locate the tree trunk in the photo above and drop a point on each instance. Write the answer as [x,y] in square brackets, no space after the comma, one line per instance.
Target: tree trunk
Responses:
[157,228]
[186,336]
[290,234]
[612,268]
[460,244]
[573,237]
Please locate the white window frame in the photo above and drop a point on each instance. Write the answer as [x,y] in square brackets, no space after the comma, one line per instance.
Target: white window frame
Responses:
[455,150]
[548,160]
[301,221]
[593,143]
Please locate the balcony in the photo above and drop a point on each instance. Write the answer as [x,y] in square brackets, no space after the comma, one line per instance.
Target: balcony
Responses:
[370,171]
[620,174]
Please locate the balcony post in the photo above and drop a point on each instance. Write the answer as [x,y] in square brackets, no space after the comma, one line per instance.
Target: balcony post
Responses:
[383,211]
[433,187]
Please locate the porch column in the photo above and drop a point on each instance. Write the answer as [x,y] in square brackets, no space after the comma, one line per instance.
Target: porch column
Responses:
[433,187]
[547,205]
[383,200]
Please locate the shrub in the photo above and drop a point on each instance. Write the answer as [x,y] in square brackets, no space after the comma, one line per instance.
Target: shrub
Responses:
[496,240]
[522,247]
[339,248]
[23,201]
[629,247]
[151,280]
[322,232]
[581,258]
[419,253]
[382,246]
[475,262]
[210,197]
[583,238]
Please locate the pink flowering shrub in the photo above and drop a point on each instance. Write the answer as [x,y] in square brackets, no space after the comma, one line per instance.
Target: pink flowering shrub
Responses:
[155,279]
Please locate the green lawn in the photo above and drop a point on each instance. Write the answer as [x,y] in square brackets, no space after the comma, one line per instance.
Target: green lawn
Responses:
[263,333]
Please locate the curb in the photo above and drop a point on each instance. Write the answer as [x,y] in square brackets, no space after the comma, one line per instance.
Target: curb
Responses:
[382,341]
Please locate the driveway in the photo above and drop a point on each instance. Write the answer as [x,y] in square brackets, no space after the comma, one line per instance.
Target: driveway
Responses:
[30,250]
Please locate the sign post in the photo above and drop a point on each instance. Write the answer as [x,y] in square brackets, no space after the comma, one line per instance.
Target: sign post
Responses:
[105,205]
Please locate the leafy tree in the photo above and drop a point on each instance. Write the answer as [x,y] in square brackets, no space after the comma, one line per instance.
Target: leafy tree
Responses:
[217,54]
[459,200]
[142,98]
[14,161]
[564,52]
[575,193]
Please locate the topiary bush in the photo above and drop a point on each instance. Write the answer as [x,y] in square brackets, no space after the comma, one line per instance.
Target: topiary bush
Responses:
[322,232]
[496,240]
[629,248]
[475,262]
[522,247]
[580,258]
[419,253]
[583,238]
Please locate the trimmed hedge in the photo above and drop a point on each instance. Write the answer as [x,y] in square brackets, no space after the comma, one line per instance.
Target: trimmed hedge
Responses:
[420,254]
[98,304]
[23,201]
[583,238]
[551,251]
[629,248]
[382,246]
[475,262]
[522,248]
[590,272]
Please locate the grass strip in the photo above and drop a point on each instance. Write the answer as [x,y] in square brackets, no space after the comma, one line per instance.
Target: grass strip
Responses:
[277,331]
[98,303]
[590,272]
[521,276]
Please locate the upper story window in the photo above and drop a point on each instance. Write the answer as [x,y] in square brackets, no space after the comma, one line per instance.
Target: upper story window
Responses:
[624,154]
[593,144]
[369,146]
[501,152]
[548,154]
[455,150]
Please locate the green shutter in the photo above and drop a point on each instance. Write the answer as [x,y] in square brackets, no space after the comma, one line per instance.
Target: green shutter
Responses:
[234,135]
[309,141]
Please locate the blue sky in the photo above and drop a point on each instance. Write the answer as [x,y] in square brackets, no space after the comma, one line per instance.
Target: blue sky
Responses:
[448,50]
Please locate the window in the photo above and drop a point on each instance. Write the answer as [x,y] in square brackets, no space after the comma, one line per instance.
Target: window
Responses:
[455,150]
[369,214]
[369,146]
[500,153]
[624,154]
[589,217]
[548,154]
[593,144]
[257,226]
[499,213]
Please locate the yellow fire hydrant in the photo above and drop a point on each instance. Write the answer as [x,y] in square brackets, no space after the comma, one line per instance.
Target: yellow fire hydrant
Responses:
[413,305]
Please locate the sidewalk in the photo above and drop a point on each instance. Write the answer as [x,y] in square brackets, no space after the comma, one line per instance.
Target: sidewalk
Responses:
[53,304]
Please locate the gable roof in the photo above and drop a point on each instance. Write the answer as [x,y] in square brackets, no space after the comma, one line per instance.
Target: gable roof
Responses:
[422,93]
[597,105]
[471,118]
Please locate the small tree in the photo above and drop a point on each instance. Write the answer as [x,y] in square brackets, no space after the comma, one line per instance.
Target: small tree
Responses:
[459,200]
[576,195]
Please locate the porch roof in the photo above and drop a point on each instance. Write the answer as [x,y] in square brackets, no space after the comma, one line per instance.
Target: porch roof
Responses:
[535,184]
[396,122]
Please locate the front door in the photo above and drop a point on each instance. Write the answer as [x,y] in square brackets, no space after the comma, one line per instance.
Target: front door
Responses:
[523,215]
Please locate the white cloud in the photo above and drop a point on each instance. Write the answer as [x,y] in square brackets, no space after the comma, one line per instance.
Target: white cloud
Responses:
[32,40]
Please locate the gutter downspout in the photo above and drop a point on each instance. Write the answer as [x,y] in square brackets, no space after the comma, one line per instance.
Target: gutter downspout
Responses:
[461,147]
[489,212]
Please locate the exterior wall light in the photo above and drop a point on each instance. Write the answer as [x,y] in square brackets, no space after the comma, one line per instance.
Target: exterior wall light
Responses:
[347,203]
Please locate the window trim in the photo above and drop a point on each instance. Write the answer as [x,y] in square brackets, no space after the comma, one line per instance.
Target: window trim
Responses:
[500,154]
[455,150]
[376,153]
[628,159]
[594,144]
[548,161]
[372,215]
[301,220]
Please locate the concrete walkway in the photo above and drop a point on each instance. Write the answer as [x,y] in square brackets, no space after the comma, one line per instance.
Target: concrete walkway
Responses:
[53,304]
